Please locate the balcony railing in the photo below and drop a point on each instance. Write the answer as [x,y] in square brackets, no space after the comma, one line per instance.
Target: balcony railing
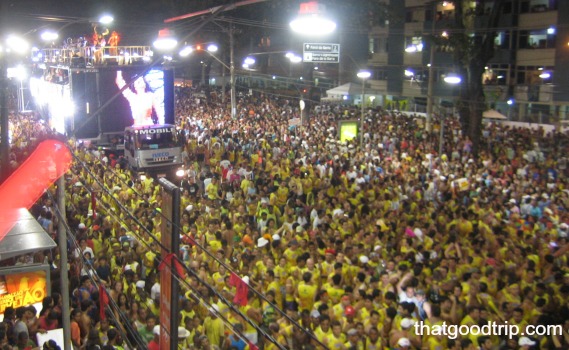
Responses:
[84,57]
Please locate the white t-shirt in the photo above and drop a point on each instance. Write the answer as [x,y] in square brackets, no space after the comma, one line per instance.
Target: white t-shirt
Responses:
[155,291]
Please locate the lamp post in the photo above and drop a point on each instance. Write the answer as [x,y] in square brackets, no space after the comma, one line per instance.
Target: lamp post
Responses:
[231,67]
[451,79]
[363,75]
[232,72]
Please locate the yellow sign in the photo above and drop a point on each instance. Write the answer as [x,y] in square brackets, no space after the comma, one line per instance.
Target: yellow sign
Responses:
[462,184]
[22,289]
[348,131]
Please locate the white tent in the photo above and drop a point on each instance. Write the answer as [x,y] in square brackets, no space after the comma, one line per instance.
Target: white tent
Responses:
[346,89]
[494,114]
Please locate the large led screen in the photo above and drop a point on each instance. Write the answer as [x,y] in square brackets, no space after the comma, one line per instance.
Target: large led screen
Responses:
[147,97]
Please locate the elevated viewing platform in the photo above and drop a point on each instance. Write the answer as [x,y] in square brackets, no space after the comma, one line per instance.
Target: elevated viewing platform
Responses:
[85,57]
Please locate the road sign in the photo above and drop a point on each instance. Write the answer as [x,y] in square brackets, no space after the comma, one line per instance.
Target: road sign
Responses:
[321,52]
[294,122]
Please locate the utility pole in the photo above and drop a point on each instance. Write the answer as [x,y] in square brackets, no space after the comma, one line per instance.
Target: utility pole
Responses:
[429,121]
[232,73]
[430,90]
[62,242]
[223,82]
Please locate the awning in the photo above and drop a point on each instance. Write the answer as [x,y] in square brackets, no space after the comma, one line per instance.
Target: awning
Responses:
[350,89]
[493,114]
[27,236]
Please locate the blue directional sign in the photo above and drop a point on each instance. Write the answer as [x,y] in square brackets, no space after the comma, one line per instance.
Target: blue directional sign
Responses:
[321,52]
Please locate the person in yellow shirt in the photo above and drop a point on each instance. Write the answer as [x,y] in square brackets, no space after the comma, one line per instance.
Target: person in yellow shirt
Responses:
[472,319]
[323,331]
[281,272]
[218,277]
[276,334]
[337,340]
[212,189]
[313,269]
[335,291]
[373,341]
[291,253]
[214,328]
[306,291]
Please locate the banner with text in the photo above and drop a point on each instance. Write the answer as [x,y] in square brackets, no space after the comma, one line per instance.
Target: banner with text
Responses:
[22,289]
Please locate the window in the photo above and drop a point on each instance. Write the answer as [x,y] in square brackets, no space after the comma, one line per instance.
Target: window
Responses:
[414,15]
[372,45]
[379,74]
[445,11]
[377,45]
[537,39]
[533,6]
[413,44]
[533,75]
[502,40]
[495,75]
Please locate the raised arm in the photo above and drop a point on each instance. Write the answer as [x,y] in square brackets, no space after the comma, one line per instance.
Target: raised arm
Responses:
[120,80]
[402,282]
[121,84]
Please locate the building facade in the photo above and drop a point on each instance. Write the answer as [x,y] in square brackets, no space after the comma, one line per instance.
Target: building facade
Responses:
[525,80]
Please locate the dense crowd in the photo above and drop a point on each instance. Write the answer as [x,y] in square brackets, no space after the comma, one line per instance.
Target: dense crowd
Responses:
[356,243]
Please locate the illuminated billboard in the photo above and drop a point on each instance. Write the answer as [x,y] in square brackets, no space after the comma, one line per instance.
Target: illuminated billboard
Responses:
[22,289]
[348,130]
[75,103]
[147,100]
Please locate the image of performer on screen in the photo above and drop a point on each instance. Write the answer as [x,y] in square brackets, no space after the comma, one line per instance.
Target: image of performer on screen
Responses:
[144,105]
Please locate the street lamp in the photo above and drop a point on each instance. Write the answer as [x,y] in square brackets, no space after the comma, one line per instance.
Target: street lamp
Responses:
[106,19]
[296,59]
[510,103]
[16,44]
[166,40]
[310,20]
[451,79]
[363,75]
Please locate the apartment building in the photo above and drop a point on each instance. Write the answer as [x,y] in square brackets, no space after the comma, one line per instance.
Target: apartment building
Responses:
[525,80]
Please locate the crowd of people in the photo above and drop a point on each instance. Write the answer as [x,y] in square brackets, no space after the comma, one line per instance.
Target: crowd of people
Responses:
[359,245]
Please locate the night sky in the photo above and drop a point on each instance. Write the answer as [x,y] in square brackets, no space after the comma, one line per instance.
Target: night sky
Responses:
[138,21]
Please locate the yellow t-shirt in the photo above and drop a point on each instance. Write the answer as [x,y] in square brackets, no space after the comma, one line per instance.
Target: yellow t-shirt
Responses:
[306,295]
[214,330]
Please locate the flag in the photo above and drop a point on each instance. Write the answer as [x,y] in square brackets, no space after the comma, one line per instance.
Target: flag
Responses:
[103,301]
[170,260]
[242,289]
